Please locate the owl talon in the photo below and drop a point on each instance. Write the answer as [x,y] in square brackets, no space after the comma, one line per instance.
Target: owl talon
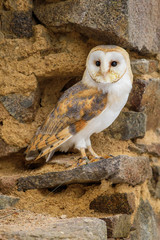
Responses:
[83,161]
[108,156]
[96,159]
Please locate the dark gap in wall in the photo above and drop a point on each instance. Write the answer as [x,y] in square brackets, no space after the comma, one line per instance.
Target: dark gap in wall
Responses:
[58,189]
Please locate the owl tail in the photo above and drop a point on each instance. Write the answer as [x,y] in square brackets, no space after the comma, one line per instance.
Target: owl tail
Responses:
[47,145]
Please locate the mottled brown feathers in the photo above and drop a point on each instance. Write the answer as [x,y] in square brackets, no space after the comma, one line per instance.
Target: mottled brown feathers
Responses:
[75,108]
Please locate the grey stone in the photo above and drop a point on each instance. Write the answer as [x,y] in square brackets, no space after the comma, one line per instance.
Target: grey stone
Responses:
[16,19]
[145,223]
[145,96]
[120,169]
[124,23]
[154,184]
[143,66]
[152,149]
[22,108]
[133,170]
[129,125]
[117,203]
[49,228]
[118,226]
[7,201]
[21,24]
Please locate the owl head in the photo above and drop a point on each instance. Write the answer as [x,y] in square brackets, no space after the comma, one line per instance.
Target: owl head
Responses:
[107,64]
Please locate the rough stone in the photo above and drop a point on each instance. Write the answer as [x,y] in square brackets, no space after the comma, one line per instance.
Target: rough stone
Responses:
[118,226]
[158,223]
[144,66]
[43,57]
[133,174]
[145,223]
[111,21]
[16,19]
[135,98]
[18,5]
[153,149]
[22,108]
[37,226]
[154,183]
[17,83]
[145,96]
[119,239]
[120,169]
[7,184]
[7,201]
[17,134]
[59,63]
[118,203]
[129,125]
[21,24]
[5,149]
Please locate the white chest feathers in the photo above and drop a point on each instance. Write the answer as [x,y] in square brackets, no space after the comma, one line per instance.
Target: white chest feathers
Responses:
[117,97]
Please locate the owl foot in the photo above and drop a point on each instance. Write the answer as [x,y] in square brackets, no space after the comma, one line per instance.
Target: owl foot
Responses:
[108,156]
[95,159]
[83,161]
[92,152]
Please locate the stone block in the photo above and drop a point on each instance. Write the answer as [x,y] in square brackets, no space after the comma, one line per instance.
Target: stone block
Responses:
[7,201]
[113,22]
[145,223]
[6,149]
[22,108]
[21,24]
[154,184]
[145,96]
[16,19]
[37,226]
[129,125]
[18,5]
[118,226]
[6,18]
[144,66]
[135,98]
[153,149]
[8,184]
[120,169]
[118,203]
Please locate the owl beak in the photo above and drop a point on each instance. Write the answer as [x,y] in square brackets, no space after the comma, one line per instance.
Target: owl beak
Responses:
[106,77]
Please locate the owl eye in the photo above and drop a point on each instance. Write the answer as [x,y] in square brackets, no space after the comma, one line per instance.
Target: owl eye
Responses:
[114,64]
[98,63]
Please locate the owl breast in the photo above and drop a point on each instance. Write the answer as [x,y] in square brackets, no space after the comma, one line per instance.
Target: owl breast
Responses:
[117,97]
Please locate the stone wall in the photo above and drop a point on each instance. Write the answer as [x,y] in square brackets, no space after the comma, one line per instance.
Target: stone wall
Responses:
[43,49]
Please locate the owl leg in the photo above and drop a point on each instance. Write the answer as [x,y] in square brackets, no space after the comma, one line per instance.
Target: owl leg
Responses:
[84,159]
[83,152]
[92,152]
[90,149]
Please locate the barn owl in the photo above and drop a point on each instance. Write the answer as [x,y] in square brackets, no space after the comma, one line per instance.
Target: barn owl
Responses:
[88,107]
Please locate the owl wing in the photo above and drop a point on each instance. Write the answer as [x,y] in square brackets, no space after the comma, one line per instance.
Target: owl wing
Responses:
[77,106]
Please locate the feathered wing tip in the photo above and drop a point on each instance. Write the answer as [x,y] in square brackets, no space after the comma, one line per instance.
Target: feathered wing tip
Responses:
[46,144]
[31,155]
